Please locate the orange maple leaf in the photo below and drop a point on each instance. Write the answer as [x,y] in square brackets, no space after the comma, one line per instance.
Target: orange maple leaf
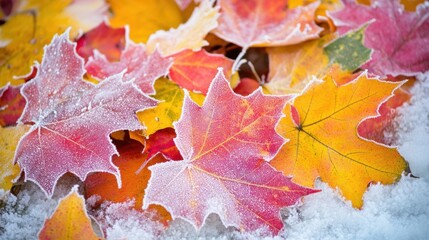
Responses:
[322,128]
[69,221]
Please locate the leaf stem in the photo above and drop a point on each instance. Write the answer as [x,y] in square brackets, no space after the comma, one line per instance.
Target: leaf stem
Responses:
[239,60]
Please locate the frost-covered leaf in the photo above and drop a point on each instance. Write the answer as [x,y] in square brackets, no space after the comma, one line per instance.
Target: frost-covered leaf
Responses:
[398,38]
[195,70]
[105,39]
[189,35]
[224,144]
[265,23]
[73,118]
[324,142]
[144,17]
[11,105]
[293,67]
[9,138]
[143,67]
[24,34]
[69,221]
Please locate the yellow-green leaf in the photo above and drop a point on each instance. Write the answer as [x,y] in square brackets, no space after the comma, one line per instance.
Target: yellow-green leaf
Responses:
[9,138]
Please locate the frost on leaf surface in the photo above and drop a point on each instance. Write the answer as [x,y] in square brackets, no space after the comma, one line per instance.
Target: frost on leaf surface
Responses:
[143,67]
[190,35]
[195,70]
[265,23]
[399,38]
[73,118]
[225,145]
[69,221]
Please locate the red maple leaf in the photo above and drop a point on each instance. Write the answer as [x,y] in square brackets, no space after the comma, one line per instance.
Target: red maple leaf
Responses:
[223,144]
[11,105]
[109,41]
[394,36]
[265,23]
[195,70]
[162,142]
[136,63]
[73,118]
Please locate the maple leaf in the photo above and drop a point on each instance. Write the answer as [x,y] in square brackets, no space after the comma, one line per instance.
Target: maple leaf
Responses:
[162,142]
[293,67]
[73,118]
[144,17]
[348,51]
[168,110]
[394,45]
[11,105]
[374,128]
[246,86]
[69,221]
[134,180]
[9,138]
[138,65]
[195,70]
[322,128]
[223,144]
[34,24]
[108,41]
[189,35]
[265,23]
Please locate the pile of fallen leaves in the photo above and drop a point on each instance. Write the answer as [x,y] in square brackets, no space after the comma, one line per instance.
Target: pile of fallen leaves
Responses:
[193,108]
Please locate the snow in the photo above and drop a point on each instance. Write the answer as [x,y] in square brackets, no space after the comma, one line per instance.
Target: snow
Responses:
[399,211]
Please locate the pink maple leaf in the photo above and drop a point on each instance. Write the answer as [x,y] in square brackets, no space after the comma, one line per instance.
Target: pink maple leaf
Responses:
[137,63]
[265,23]
[223,144]
[73,118]
[399,39]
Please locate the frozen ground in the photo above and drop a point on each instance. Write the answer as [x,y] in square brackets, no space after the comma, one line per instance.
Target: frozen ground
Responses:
[399,211]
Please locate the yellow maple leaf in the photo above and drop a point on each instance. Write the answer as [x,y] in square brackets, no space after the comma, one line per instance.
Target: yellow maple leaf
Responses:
[69,221]
[189,35]
[322,128]
[168,110]
[33,25]
[293,67]
[145,17]
[9,138]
